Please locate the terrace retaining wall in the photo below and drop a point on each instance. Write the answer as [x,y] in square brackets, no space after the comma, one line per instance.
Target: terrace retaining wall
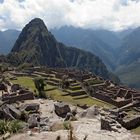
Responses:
[20,97]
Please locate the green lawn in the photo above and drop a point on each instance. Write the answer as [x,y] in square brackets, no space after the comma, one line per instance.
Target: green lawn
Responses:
[26,82]
[57,94]
[62,96]
[136,130]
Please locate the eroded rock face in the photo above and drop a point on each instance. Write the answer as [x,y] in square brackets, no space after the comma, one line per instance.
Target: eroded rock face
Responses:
[61,109]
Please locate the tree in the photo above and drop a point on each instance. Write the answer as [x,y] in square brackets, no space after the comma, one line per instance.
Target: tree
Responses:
[65,82]
[39,84]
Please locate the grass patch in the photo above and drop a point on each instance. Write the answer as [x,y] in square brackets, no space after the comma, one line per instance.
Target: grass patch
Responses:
[29,83]
[57,94]
[26,82]
[136,130]
[10,126]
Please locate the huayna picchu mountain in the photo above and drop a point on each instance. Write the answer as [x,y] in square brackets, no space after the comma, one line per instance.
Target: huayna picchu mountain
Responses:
[38,46]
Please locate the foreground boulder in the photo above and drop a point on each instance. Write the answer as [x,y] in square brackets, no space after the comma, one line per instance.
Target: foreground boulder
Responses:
[15,112]
[61,109]
[70,117]
[110,124]
[33,120]
[9,112]
[91,112]
[30,107]
[3,87]
[15,87]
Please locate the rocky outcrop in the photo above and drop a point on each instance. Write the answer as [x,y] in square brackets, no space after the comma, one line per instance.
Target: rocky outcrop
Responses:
[61,109]
[34,120]
[9,112]
[110,124]
[15,87]
[48,125]
[3,86]
[30,107]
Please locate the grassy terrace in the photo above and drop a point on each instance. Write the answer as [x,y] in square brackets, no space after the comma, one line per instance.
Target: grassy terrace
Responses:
[57,94]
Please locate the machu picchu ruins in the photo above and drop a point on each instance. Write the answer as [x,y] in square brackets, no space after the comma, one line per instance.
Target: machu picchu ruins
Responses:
[122,112]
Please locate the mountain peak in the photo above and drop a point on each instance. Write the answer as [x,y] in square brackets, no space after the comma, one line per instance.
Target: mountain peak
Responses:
[38,46]
[36,22]
[31,34]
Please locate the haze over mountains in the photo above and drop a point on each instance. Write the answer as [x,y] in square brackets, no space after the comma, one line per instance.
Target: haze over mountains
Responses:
[7,40]
[118,50]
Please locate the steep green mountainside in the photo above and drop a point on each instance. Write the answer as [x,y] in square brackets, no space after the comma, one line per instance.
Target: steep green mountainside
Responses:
[7,40]
[130,74]
[130,48]
[37,45]
[129,59]
[100,42]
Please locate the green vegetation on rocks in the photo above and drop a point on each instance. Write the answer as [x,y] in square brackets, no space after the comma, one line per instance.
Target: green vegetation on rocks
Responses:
[10,126]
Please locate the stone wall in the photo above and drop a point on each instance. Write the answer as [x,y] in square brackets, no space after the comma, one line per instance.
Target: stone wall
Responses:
[108,99]
[26,96]
[131,123]
[60,75]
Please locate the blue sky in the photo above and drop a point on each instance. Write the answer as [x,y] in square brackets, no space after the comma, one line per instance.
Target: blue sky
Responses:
[107,14]
[1,1]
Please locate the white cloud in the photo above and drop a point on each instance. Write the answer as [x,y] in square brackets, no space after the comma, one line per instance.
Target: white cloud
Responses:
[108,14]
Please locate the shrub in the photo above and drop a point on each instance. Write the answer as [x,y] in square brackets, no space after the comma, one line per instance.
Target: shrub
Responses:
[42,94]
[3,126]
[15,126]
[66,125]
[10,126]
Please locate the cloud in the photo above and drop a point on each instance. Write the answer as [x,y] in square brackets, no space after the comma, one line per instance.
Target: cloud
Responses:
[107,14]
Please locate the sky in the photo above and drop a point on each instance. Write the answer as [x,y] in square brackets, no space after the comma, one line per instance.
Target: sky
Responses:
[93,14]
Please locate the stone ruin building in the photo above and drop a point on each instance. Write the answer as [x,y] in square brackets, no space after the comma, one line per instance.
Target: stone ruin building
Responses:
[84,84]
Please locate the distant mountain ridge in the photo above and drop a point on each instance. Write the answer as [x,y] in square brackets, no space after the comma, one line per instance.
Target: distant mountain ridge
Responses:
[98,42]
[38,46]
[7,40]
[129,59]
